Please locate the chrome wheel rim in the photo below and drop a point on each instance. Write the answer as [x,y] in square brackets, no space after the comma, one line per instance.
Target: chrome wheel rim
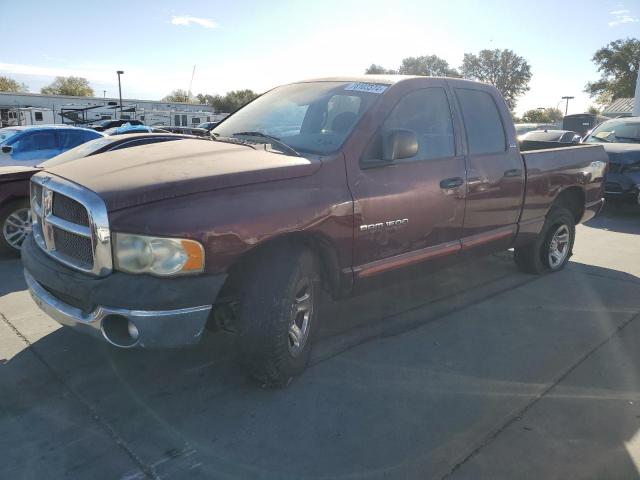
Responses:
[16,227]
[300,324]
[559,246]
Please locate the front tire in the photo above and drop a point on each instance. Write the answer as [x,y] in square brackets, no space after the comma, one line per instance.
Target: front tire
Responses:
[278,315]
[553,247]
[15,225]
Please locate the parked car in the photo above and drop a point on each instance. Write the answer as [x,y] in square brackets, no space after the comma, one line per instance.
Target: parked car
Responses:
[561,136]
[28,146]
[15,222]
[195,131]
[582,122]
[128,128]
[103,125]
[522,128]
[375,180]
[621,140]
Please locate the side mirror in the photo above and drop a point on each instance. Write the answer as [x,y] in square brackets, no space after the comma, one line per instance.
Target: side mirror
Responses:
[7,149]
[398,144]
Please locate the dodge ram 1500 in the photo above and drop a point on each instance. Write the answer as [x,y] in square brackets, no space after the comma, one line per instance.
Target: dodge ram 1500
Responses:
[333,185]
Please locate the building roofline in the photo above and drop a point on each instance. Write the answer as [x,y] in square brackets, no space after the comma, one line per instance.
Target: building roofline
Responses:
[98,99]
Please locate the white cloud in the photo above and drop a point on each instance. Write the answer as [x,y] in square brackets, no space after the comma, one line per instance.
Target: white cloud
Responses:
[187,20]
[622,16]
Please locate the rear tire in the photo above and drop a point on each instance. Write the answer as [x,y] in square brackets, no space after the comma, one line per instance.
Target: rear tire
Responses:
[552,249]
[278,315]
[15,225]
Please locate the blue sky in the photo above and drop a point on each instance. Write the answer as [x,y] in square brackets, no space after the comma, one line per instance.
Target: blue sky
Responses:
[258,45]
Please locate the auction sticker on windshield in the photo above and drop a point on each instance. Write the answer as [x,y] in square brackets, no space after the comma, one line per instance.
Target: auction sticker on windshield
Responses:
[366,87]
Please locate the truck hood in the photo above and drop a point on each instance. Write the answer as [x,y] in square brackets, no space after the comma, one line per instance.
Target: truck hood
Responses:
[622,153]
[134,176]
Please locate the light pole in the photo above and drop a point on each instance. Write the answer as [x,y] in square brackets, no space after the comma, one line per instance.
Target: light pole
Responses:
[120,72]
[566,108]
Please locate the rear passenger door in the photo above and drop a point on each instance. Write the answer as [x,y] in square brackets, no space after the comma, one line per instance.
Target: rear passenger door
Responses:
[495,171]
[405,213]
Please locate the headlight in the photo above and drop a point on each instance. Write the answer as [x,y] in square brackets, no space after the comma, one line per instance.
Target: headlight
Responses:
[157,255]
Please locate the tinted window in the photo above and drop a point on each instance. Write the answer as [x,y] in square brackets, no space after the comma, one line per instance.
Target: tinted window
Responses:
[38,116]
[485,133]
[71,139]
[427,113]
[38,141]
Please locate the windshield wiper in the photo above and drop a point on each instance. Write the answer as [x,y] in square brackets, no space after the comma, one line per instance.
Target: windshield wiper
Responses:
[236,141]
[591,137]
[275,140]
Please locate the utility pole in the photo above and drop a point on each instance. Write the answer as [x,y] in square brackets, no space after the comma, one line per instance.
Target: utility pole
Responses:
[104,94]
[636,104]
[120,72]
[566,108]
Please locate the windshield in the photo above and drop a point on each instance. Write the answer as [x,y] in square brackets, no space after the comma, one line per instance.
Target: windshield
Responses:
[616,131]
[313,117]
[6,134]
[80,151]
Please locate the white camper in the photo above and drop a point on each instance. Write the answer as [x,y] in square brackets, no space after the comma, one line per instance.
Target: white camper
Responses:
[13,117]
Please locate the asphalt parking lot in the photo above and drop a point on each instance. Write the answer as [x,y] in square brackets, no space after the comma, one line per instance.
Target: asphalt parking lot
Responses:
[476,372]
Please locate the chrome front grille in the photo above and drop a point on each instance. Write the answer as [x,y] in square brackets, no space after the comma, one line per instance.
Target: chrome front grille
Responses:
[70,224]
[70,210]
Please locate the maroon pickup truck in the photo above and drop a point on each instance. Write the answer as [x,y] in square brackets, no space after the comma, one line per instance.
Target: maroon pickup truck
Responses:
[334,185]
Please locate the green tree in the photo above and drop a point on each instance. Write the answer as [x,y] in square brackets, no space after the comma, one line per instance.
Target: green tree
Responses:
[74,86]
[378,70]
[429,65]
[546,115]
[505,70]
[594,110]
[618,65]
[230,102]
[426,65]
[10,85]
[178,95]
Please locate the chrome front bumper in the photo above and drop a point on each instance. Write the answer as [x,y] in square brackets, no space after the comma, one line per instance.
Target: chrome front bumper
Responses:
[122,327]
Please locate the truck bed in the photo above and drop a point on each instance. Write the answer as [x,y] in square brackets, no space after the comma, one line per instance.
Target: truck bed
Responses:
[552,170]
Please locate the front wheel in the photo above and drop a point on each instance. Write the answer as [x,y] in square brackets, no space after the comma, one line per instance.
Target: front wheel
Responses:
[553,247]
[278,315]
[15,225]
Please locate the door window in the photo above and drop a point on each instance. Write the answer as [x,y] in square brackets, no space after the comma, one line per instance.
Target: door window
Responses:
[425,112]
[38,141]
[485,132]
[70,139]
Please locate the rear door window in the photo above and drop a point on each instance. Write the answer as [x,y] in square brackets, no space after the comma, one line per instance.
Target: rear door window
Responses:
[71,139]
[485,132]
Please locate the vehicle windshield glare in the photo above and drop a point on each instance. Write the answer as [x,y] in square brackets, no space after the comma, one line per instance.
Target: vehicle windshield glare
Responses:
[616,131]
[6,134]
[313,117]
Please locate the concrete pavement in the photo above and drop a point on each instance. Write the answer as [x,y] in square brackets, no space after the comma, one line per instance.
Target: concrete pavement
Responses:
[475,372]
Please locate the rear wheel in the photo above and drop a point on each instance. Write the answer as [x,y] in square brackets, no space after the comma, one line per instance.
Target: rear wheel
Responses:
[278,315]
[553,247]
[15,225]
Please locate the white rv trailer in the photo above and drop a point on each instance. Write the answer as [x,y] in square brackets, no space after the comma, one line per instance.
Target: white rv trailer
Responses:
[85,110]
[27,116]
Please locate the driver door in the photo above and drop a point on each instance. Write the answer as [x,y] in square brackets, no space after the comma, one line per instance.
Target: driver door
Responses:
[410,210]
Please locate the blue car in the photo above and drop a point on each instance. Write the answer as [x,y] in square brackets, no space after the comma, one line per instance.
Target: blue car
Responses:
[28,146]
